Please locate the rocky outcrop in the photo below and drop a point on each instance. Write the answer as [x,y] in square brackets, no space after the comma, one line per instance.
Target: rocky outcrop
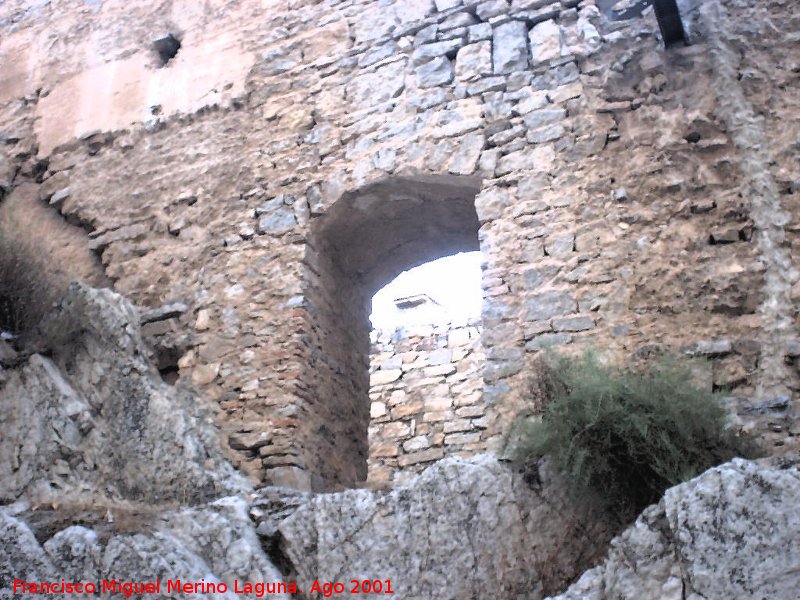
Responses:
[113,474]
[464,528]
[733,532]
[109,474]
[94,419]
[214,544]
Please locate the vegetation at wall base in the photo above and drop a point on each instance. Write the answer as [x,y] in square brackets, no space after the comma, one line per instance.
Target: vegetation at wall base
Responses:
[27,289]
[621,437]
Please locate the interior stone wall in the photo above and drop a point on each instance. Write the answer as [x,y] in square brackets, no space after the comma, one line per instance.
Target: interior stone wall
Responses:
[426,398]
[633,197]
[366,239]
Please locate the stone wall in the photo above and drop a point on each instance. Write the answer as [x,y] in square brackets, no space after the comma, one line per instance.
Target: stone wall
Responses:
[292,157]
[426,393]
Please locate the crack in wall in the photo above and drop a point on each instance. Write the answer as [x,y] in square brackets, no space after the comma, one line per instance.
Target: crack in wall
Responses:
[748,133]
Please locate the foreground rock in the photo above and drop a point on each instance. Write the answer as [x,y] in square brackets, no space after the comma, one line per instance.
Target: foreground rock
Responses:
[94,418]
[214,544]
[462,529]
[733,532]
[109,473]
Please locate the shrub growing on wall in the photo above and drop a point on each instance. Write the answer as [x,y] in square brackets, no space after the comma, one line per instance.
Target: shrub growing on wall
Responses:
[621,437]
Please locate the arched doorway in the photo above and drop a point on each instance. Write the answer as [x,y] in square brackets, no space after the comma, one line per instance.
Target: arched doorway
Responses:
[364,241]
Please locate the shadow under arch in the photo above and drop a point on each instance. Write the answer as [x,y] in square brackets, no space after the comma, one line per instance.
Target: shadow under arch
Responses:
[364,240]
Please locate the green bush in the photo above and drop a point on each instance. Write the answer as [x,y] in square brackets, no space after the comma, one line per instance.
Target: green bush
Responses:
[621,437]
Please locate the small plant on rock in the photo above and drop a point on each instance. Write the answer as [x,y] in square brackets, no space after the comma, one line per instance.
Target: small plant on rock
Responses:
[622,437]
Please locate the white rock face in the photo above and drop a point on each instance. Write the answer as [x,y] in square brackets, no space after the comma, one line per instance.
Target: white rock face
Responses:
[96,419]
[97,454]
[215,542]
[732,532]
[461,529]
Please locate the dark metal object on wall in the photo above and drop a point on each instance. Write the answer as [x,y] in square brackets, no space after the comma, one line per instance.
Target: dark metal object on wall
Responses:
[667,15]
[669,21]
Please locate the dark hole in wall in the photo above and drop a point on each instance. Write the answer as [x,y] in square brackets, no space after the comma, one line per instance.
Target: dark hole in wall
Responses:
[167,363]
[166,48]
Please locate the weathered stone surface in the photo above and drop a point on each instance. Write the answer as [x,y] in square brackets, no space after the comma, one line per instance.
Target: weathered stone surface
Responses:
[726,534]
[531,100]
[510,47]
[539,158]
[166,311]
[474,61]
[383,377]
[144,443]
[443,5]
[491,8]
[545,134]
[461,527]
[573,324]
[383,84]
[545,42]
[277,222]
[427,52]
[490,205]
[540,118]
[465,158]
[205,374]
[552,303]
[548,340]
[216,542]
[436,72]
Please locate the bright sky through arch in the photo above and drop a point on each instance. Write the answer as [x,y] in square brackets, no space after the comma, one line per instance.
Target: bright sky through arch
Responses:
[453,281]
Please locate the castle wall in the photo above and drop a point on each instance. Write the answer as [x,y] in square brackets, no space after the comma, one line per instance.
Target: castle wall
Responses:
[627,196]
[426,398]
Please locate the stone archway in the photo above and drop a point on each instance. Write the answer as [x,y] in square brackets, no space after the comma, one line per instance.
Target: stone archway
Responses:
[364,241]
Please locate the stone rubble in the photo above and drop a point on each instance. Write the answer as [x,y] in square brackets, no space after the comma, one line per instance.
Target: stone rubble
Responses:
[108,472]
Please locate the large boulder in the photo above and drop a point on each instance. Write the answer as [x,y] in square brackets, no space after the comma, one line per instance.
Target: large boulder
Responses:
[732,532]
[464,528]
[108,473]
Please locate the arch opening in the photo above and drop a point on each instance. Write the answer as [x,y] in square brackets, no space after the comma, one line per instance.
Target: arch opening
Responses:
[440,292]
[364,241]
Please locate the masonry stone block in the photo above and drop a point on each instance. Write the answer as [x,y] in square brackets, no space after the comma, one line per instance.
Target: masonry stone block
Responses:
[548,340]
[545,41]
[474,61]
[491,203]
[427,52]
[548,304]
[384,377]
[573,324]
[420,457]
[510,47]
[438,71]
[548,133]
